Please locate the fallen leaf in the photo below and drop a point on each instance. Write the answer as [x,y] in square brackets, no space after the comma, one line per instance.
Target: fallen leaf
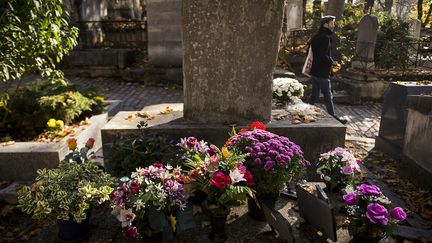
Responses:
[146,114]
[8,143]
[295,121]
[167,110]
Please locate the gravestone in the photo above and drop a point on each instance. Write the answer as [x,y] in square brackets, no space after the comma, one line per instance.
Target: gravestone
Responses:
[391,134]
[415,29]
[164,22]
[89,12]
[403,8]
[417,163]
[335,8]
[294,14]
[230,50]
[366,40]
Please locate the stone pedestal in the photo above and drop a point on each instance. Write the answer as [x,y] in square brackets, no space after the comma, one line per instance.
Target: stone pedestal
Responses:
[314,138]
[230,49]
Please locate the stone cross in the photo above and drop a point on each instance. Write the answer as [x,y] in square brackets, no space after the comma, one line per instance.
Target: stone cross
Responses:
[230,49]
[366,40]
[335,8]
[294,14]
[164,33]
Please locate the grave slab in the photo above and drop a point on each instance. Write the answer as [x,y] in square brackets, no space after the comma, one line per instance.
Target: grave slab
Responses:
[21,160]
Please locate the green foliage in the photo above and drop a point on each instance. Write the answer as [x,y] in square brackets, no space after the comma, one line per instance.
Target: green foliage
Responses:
[25,113]
[35,36]
[394,47]
[346,30]
[144,149]
[66,192]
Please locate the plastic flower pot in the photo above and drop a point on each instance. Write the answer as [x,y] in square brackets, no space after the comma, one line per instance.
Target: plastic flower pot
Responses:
[218,222]
[256,212]
[71,231]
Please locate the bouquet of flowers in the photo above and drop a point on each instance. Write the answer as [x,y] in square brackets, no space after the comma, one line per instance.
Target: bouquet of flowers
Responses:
[371,211]
[338,168]
[157,186]
[272,159]
[220,174]
[286,90]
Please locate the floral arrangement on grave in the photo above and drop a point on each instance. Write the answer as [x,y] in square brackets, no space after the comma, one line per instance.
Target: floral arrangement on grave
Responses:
[68,191]
[219,173]
[339,168]
[371,212]
[273,160]
[157,188]
[287,90]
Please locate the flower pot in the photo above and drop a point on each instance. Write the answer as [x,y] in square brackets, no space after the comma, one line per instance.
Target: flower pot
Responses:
[218,221]
[257,212]
[365,237]
[71,231]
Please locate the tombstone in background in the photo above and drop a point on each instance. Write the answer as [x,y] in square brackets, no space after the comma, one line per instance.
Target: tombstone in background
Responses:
[164,22]
[402,8]
[366,40]
[415,29]
[317,12]
[335,8]
[228,62]
[91,11]
[125,10]
[294,14]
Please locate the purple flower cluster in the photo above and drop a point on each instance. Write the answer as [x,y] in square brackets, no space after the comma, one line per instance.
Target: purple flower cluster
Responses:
[267,149]
[376,211]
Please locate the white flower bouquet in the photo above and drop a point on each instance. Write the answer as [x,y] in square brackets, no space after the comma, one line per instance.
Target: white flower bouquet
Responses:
[286,90]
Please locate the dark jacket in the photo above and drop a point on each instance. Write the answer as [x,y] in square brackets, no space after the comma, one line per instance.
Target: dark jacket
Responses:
[321,49]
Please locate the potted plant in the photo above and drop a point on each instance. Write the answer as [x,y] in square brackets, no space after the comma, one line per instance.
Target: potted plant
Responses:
[287,90]
[152,194]
[66,194]
[371,215]
[221,175]
[273,160]
[338,169]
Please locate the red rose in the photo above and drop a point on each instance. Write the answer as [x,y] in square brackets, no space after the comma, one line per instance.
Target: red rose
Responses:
[158,165]
[134,188]
[90,142]
[249,178]
[220,180]
[257,125]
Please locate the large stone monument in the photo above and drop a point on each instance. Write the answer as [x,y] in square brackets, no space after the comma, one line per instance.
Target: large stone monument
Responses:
[335,8]
[164,36]
[366,40]
[230,50]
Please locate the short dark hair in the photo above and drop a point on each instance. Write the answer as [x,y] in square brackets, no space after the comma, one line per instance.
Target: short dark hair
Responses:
[326,19]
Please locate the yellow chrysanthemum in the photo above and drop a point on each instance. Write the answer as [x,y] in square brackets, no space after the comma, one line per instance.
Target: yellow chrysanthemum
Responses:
[60,123]
[52,123]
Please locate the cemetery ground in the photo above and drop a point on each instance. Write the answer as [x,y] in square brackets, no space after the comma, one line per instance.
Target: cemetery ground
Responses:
[362,128]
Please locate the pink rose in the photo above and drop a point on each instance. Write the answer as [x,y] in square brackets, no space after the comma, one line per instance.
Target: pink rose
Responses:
[220,180]
[398,213]
[347,170]
[191,142]
[90,142]
[377,213]
[368,190]
[350,198]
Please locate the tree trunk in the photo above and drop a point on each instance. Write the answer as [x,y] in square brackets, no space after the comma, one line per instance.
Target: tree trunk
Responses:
[420,9]
[388,6]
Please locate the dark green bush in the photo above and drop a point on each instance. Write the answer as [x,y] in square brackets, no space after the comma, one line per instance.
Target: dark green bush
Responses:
[24,112]
[130,152]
